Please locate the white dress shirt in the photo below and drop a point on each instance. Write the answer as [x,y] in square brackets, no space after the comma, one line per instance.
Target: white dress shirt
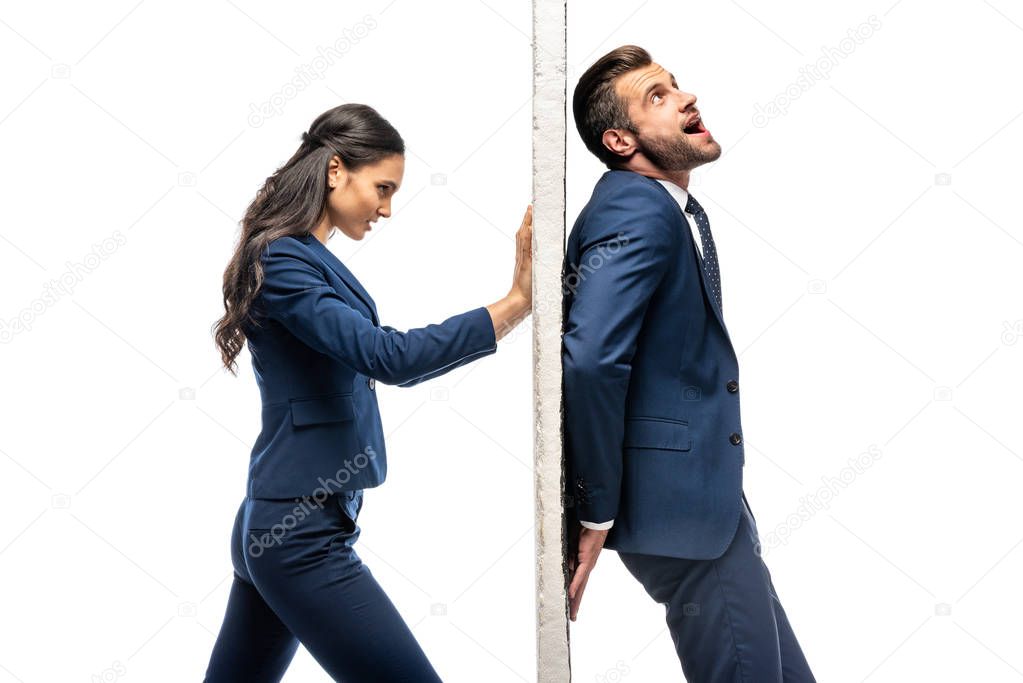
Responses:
[682,197]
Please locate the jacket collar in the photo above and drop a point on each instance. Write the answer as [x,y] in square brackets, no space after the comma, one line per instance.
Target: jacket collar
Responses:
[328,257]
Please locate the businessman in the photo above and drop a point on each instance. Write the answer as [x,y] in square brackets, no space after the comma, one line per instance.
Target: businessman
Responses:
[651,384]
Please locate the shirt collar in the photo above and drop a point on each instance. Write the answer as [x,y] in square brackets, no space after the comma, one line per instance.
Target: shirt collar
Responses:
[679,193]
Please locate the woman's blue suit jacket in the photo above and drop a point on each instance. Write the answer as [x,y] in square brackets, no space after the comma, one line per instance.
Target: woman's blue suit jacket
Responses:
[318,352]
[652,429]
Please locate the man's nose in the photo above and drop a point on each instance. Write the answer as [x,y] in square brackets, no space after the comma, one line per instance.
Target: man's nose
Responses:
[384,211]
[686,100]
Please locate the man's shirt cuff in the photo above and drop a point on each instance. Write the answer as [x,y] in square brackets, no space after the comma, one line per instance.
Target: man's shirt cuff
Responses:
[597,527]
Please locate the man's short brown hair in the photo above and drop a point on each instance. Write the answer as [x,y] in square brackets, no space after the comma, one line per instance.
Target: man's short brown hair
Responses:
[596,105]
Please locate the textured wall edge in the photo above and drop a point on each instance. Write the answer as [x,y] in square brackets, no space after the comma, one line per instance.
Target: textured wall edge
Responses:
[549,125]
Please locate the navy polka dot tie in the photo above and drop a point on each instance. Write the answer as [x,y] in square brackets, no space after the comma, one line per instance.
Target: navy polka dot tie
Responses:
[710,255]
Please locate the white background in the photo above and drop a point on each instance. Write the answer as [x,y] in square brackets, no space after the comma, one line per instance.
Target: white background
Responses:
[869,242]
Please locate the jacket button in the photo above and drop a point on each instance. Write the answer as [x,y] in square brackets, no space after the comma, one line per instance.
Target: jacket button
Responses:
[372,383]
[732,386]
[735,438]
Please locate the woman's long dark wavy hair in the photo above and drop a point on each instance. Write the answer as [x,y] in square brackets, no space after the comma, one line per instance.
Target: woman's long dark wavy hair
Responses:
[291,202]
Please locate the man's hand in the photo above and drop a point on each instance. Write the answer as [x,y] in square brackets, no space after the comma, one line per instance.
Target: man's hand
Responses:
[582,557]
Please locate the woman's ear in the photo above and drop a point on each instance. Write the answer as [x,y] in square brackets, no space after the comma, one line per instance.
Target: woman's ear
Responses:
[337,174]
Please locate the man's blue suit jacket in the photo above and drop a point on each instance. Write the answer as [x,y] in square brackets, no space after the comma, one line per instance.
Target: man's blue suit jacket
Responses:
[317,354]
[652,432]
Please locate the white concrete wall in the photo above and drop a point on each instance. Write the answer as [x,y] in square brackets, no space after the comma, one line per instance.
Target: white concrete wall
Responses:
[549,54]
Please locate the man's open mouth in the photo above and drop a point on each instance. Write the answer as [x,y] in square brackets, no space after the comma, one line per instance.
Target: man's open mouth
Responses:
[695,128]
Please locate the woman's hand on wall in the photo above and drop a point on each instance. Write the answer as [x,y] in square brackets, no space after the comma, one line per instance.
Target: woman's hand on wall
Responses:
[517,304]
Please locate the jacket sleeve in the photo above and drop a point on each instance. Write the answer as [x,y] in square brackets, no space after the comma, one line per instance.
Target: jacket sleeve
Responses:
[627,244]
[435,373]
[296,294]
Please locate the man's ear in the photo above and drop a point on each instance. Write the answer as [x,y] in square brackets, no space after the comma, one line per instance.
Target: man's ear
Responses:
[619,141]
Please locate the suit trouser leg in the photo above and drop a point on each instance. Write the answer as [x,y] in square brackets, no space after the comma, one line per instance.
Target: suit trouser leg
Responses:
[308,576]
[724,615]
[253,644]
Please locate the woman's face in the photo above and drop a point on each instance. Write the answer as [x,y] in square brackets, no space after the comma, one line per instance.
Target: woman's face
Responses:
[358,198]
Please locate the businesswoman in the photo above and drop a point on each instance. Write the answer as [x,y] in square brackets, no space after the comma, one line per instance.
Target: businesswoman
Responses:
[318,350]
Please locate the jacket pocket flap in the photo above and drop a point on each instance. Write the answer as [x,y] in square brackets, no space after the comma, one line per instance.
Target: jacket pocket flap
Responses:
[320,409]
[657,433]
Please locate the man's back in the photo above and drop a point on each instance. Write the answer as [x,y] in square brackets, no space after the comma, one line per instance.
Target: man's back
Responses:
[652,425]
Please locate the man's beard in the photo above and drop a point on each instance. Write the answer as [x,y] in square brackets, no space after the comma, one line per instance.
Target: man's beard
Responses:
[676,153]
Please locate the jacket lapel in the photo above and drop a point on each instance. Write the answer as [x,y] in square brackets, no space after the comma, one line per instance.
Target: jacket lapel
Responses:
[699,259]
[328,257]
[703,278]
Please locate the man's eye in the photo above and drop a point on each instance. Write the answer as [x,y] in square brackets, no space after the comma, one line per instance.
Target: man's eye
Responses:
[655,95]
